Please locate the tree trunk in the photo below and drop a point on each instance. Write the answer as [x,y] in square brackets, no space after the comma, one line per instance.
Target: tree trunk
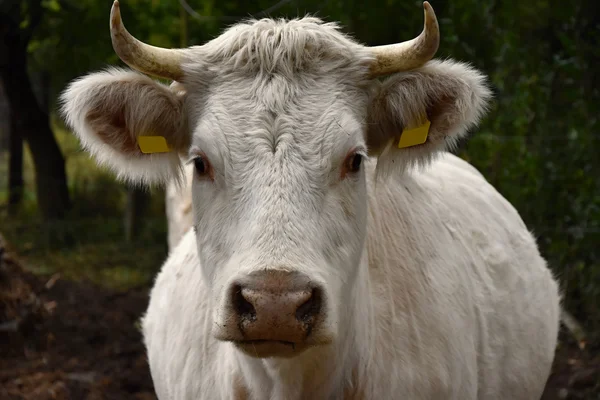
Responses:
[31,122]
[11,142]
[33,125]
[15,166]
[41,88]
[4,120]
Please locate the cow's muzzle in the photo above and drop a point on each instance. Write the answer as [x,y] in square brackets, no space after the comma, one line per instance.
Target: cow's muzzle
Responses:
[273,313]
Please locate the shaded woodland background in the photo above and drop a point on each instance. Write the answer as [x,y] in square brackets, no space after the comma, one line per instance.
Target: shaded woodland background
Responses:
[69,221]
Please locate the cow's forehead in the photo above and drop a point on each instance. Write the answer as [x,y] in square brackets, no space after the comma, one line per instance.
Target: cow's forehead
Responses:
[312,122]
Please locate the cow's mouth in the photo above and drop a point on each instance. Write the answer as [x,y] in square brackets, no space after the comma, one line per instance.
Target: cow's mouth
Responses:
[270,348]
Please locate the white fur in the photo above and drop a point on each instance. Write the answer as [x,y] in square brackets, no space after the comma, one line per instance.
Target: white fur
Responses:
[434,287]
[75,102]
[178,206]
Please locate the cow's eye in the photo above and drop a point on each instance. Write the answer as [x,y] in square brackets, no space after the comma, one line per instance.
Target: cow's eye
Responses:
[203,168]
[355,162]
[352,164]
[200,165]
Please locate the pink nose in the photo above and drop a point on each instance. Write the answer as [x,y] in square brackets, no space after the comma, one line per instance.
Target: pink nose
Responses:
[276,306]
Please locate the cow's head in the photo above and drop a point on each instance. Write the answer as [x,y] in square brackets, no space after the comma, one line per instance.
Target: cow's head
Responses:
[281,120]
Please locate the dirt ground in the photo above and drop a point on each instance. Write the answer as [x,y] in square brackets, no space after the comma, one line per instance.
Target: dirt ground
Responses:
[66,340]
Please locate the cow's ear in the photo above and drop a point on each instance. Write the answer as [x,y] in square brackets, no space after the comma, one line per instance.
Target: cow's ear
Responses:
[417,114]
[130,123]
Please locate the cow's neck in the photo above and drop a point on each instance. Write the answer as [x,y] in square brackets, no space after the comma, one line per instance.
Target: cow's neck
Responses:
[324,372]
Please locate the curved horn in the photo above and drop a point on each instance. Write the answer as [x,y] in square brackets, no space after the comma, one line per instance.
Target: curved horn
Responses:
[410,54]
[163,63]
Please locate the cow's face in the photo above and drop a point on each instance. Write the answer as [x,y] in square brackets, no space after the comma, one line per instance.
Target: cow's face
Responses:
[279,203]
[280,119]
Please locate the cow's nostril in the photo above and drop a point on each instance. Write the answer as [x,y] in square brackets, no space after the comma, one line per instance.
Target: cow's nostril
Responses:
[243,307]
[310,308]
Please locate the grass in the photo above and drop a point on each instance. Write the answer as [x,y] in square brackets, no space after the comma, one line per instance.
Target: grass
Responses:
[89,244]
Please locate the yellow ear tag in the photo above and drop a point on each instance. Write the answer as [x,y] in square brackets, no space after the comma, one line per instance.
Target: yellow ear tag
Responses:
[415,136]
[153,144]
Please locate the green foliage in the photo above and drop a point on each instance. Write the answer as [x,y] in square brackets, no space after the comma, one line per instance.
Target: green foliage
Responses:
[538,145]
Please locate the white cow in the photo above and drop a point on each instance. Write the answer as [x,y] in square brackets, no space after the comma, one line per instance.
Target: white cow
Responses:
[328,260]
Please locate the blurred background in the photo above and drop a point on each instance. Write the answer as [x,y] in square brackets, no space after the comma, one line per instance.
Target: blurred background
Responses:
[80,249]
